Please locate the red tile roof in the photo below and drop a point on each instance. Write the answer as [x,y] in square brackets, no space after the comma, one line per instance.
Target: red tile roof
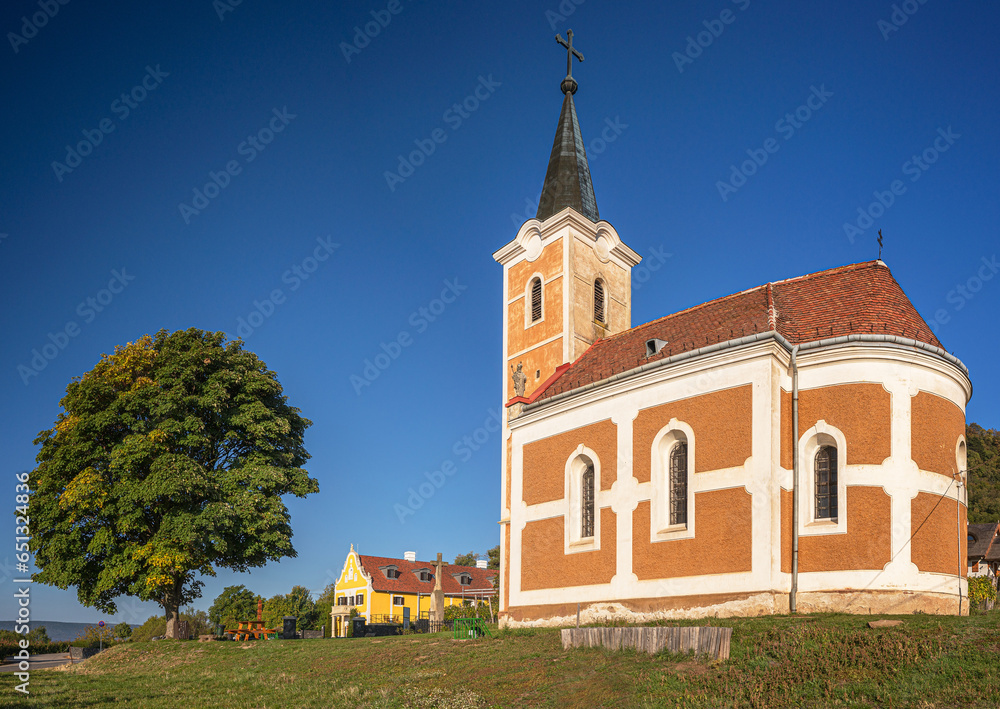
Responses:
[860,298]
[409,582]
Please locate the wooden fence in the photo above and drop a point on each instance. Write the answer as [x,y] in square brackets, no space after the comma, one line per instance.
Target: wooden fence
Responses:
[701,640]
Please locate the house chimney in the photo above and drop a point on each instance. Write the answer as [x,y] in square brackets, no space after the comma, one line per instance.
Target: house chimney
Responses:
[410,555]
[481,563]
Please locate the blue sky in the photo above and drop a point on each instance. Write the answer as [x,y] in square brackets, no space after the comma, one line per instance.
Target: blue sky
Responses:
[297,115]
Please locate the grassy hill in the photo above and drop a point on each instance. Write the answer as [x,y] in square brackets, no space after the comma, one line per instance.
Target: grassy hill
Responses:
[810,661]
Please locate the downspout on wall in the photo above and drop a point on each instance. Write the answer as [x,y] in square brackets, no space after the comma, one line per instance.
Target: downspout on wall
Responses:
[795,481]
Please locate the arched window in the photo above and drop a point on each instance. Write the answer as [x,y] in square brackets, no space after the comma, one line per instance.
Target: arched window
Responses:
[678,483]
[536,299]
[825,473]
[599,309]
[587,503]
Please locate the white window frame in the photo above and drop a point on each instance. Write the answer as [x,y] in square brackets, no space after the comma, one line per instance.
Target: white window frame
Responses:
[576,465]
[527,301]
[660,528]
[822,434]
[962,461]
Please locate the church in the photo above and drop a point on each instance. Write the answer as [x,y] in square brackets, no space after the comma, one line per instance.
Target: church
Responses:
[795,447]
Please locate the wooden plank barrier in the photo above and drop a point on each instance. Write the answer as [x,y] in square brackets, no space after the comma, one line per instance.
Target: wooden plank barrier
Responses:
[701,640]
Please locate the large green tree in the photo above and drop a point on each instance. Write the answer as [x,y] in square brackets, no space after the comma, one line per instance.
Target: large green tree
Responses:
[234,604]
[168,460]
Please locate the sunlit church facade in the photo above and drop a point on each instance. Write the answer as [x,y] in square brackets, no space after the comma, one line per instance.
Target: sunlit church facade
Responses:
[797,445]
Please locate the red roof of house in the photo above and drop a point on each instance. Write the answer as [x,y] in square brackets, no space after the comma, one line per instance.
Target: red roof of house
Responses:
[409,576]
[860,298]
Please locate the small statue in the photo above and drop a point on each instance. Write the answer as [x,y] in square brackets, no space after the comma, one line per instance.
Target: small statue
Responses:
[519,379]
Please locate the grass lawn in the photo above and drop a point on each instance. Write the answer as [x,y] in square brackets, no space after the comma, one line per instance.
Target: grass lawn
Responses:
[776,661]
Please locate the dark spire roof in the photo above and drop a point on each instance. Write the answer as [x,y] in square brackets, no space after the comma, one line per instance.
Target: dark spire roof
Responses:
[567,181]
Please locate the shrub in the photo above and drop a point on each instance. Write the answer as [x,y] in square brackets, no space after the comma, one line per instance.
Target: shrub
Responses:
[95,637]
[981,589]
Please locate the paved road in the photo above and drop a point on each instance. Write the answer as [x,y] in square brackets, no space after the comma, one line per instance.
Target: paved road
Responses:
[37,662]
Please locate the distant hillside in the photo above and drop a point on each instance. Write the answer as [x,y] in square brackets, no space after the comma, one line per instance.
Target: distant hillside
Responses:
[56,630]
[984,473]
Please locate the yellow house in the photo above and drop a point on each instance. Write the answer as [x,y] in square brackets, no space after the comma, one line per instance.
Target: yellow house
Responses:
[380,588]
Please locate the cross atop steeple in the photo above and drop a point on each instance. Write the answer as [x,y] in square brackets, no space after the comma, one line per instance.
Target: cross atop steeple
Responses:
[569,84]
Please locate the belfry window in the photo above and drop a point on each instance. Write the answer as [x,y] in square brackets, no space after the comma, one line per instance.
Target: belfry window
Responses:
[599,308]
[825,471]
[679,483]
[587,503]
[536,299]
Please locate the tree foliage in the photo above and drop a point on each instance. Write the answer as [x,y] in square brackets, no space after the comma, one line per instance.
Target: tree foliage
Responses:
[494,558]
[466,559]
[983,453]
[123,631]
[234,604]
[168,460]
[298,603]
[324,604]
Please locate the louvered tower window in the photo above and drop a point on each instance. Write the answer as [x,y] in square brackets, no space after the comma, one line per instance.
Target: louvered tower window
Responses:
[599,301]
[587,498]
[679,484]
[826,483]
[536,300]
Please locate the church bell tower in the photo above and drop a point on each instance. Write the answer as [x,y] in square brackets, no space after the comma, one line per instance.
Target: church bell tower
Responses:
[567,282]
[567,274]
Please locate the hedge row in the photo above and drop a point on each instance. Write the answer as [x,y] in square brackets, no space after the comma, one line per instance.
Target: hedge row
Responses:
[7,648]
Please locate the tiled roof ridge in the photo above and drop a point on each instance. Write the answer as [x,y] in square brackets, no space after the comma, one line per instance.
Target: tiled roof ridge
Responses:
[839,301]
[418,564]
[764,286]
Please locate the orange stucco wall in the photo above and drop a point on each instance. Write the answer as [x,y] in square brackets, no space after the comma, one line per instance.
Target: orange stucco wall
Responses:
[935,427]
[520,337]
[723,427]
[549,263]
[722,517]
[544,463]
[939,543]
[866,545]
[545,565]
[862,412]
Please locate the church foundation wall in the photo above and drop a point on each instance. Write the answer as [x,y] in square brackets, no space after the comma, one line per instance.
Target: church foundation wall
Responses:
[645,610]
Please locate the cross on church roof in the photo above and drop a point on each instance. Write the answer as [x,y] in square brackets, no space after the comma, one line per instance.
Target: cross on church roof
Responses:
[570,52]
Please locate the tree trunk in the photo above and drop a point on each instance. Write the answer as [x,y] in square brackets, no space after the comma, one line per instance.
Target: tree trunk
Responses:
[171,607]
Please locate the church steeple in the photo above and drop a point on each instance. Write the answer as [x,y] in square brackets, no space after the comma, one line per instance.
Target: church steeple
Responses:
[567,180]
